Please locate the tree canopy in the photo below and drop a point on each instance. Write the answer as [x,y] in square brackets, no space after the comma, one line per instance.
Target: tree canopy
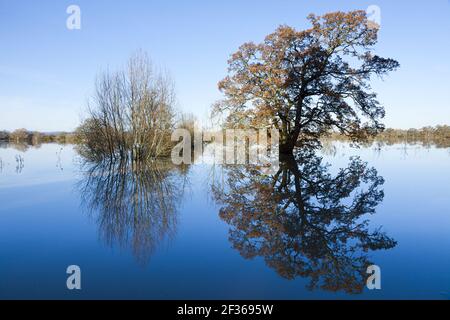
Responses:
[307,83]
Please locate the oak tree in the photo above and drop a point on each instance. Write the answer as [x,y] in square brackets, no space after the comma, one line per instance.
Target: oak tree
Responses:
[308,83]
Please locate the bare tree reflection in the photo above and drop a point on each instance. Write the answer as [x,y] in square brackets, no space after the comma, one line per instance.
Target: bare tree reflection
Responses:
[21,147]
[304,221]
[135,205]
[20,163]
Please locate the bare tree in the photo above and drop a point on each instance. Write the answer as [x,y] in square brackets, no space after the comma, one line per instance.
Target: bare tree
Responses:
[4,135]
[131,113]
[19,135]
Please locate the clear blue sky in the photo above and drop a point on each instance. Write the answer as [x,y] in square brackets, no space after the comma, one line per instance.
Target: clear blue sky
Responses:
[47,72]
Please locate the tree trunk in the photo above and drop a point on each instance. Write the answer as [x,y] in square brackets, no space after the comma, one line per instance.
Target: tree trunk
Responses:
[286,144]
[286,148]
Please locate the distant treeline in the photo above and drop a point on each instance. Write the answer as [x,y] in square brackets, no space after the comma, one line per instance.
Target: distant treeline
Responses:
[438,136]
[24,136]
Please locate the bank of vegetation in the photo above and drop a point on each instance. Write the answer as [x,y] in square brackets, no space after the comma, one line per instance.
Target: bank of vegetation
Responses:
[431,135]
[24,136]
[438,136]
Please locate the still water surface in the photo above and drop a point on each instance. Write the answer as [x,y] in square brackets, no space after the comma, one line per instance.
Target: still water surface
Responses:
[205,232]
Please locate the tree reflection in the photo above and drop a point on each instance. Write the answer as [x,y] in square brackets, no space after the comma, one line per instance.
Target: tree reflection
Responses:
[134,204]
[304,221]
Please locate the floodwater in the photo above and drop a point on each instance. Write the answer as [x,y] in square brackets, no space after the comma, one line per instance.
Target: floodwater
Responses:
[307,231]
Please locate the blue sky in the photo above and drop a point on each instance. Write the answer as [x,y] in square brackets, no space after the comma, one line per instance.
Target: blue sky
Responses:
[47,72]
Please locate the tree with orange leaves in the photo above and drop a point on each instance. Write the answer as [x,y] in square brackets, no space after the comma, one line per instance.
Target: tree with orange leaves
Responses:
[308,83]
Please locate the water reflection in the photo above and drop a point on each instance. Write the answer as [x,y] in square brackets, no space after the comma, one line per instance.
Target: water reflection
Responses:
[305,221]
[135,205]
[20,163]
[19,146]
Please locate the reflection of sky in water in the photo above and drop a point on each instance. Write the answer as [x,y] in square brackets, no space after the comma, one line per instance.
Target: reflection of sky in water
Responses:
[45,164]
[43,229]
